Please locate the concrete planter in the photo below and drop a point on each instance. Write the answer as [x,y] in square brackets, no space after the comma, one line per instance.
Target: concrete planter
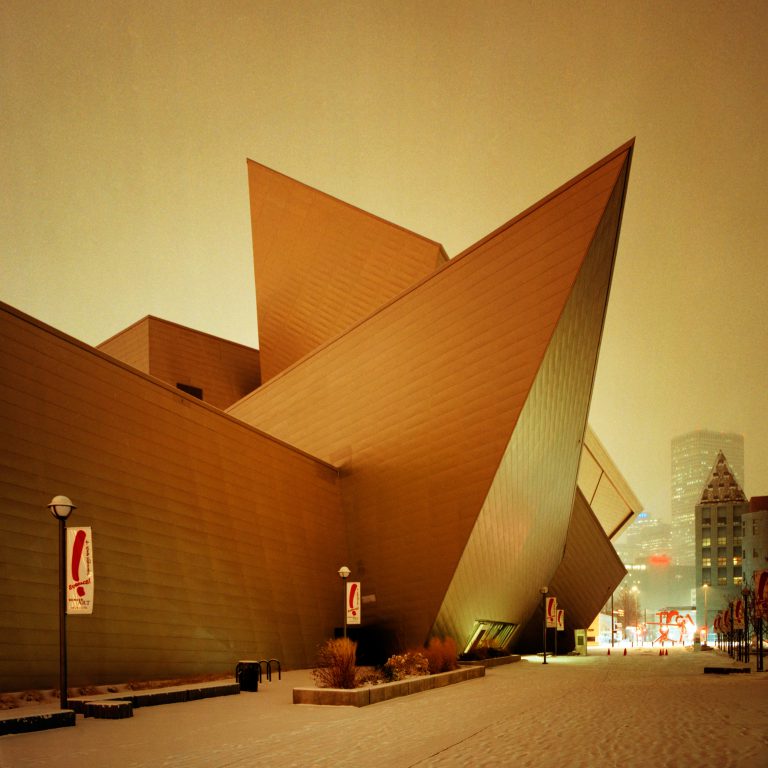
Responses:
[362,697]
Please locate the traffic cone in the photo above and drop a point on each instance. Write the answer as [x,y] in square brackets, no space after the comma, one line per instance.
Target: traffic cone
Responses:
[661,651]
[625,651]
[609,651]
[666,651]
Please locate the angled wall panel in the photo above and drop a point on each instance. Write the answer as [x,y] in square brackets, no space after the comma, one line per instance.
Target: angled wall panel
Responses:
[212,542]
[224,370]
[587,575]
[519,537]
[321,265]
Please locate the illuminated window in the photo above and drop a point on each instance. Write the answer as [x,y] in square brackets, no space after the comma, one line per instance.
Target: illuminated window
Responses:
[722,541]
[706,562]
[737,561]
[722,561]
[722,581]
[737,579]
[706,542]
[737,541]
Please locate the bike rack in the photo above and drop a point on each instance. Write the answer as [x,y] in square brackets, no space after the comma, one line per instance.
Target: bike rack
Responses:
[268,667]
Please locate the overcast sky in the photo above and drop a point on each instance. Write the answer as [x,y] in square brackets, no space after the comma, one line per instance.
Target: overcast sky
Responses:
[125,128]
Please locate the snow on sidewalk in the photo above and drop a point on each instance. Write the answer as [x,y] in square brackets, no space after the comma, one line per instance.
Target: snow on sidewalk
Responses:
[616,710]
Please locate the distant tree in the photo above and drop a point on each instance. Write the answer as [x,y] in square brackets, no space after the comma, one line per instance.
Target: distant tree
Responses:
[627,607]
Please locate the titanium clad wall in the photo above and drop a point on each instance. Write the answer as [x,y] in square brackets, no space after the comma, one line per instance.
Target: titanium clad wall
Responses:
[518,540]
[417,403]
[321,265]
[224,370]
[212,542]
[587,576]
[605,488]
[130,345]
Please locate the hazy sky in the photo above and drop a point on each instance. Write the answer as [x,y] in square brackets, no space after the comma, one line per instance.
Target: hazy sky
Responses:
[125,127]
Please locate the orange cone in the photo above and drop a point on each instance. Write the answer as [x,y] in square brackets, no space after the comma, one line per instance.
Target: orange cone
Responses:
[625,651]
[609,651]
[666,651]
[661,651]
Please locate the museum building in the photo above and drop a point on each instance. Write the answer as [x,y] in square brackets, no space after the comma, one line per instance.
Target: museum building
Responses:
[422,420]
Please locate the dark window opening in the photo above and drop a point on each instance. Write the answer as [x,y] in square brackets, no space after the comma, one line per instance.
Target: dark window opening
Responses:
[190,390]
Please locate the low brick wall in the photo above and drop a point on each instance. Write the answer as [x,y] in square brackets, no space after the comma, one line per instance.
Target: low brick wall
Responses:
[151,697]
[28,723]
[362,697]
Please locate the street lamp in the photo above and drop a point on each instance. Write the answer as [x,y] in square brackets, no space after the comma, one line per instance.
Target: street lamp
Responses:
[636,607]
[745,595]
[61,508]
[544,591]
[344,574]
[706,616]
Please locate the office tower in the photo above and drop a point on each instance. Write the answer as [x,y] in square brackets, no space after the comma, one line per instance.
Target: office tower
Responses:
[718,536]
[693,456]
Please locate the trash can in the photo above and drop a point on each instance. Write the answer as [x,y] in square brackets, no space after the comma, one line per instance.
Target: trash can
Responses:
[247,674]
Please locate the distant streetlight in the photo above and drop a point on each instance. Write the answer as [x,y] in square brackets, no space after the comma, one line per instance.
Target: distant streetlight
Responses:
[706,616]
[636,595]
[344,574]
[544,591]
[61,508]
[745,595]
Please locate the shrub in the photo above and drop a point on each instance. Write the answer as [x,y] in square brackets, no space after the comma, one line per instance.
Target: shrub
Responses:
[335,664]
[442,655]
[408,664]
[482,652]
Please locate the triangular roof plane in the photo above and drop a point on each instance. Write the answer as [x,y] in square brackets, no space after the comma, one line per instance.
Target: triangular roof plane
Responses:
[721,484]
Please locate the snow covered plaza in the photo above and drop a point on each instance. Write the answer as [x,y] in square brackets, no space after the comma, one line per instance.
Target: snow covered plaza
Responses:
[636,710]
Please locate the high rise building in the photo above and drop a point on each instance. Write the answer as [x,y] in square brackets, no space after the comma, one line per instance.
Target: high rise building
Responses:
[755,541]
[647,537]
[719,533]
[693,456]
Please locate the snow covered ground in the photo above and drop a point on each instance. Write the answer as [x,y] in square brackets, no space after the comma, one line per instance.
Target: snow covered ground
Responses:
[636,710]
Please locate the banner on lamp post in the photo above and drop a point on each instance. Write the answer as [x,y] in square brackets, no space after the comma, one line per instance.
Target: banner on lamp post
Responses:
[560,619]
[353,602]
[79,570]
[551,603]
[738,614]
[761,594]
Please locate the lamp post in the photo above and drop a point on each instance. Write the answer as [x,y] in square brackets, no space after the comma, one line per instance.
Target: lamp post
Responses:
[745,596]
[706,616]
[635,606]
[61,508]
[344,574]
[544,591]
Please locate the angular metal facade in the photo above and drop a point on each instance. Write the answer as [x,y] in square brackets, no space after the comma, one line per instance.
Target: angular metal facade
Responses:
[210,539]
[321,265]
[419,403]
[427,435]
[222,370]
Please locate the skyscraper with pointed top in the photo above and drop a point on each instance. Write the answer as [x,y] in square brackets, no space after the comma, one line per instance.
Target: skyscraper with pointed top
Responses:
[718,542]
[693,456]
